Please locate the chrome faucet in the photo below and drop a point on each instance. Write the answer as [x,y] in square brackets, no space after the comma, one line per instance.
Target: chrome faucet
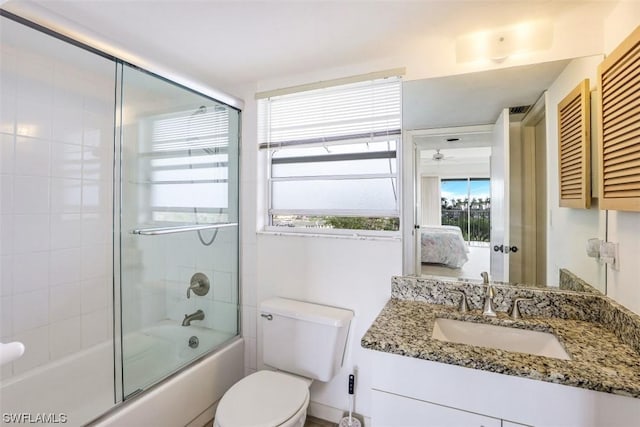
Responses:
[485,277]
[198,315]
[463,307]
[488,302]
[515,310]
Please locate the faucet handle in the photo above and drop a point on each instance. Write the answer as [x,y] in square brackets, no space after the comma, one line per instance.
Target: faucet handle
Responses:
[515,310]
[199,284]
[463,307]
[490,292]
[485,277]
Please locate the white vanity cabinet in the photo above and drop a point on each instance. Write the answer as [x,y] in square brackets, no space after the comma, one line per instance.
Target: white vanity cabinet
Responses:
[392,410]
[415,392]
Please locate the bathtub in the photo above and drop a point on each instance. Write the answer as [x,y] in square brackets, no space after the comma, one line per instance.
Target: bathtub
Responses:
[80,387]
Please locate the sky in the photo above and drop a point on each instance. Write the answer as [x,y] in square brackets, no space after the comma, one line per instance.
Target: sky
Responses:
[458,189]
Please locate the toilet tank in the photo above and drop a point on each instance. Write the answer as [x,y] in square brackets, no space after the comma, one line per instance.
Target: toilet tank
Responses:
[304,338]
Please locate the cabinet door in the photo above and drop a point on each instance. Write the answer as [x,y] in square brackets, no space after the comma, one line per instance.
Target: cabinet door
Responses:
[392,410]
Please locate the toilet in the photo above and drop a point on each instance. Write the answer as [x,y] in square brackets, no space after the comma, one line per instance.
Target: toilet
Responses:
[302,342]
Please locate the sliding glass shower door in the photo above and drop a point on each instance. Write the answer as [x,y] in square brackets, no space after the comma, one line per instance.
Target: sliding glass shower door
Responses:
[178,215]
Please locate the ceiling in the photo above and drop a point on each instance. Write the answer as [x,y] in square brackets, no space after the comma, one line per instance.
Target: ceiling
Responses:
[473,98]
[229,43]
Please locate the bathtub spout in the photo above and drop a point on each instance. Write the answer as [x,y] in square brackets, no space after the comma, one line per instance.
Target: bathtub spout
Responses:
[198,315]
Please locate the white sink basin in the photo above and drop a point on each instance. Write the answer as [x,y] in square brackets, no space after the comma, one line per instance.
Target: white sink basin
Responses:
[499,337]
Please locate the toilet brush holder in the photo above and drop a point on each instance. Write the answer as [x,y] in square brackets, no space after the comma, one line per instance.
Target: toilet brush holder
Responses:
[350,421]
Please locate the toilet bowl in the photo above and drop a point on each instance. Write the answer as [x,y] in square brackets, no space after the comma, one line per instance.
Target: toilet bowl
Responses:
[264,399]
[304,342]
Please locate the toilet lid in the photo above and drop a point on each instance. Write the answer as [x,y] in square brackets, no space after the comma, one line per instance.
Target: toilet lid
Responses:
[263,399]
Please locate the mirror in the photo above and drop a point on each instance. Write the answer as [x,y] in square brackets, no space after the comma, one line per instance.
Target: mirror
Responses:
[480,164]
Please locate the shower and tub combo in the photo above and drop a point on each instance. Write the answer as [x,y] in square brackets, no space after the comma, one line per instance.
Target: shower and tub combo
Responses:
[119,238]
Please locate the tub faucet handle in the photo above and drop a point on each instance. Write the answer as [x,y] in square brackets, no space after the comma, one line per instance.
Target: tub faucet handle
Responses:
[199,284]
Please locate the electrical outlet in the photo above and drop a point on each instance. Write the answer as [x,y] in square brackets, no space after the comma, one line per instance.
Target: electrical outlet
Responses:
[609,254]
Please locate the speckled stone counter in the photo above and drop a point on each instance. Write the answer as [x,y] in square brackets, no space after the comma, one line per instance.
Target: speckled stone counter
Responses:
[603,358]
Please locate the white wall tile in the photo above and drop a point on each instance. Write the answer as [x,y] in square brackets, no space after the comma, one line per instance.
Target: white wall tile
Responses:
[65,302]
[65,337]
[249,322]
[30,272]
[30,233]
[8,98]
[30,310]
[33,119]
[7,222]
[66,231]
[67,124]
[6,316]
[96,261]
[66,195]
[223,289]
[66,161]
[250,353]
[6,275]
[64,266]
[42,223]
[7,150]
[96,228]
[94,328]
[96,293]
[30,194]
[97,163]
[32,156]
[36,353]
[96,196]
[6,197]
[225,317]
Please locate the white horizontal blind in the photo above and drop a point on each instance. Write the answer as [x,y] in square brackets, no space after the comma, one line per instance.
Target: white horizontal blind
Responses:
[333,153]
[189,150]
[360,110]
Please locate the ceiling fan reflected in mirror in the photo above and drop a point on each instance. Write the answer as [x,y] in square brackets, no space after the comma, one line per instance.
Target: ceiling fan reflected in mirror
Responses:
[438,156]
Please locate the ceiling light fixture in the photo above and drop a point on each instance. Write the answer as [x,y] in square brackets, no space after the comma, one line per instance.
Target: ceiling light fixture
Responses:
[499,44]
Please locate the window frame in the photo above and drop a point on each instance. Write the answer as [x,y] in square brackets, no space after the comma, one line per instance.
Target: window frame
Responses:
[270,212]
[376,136]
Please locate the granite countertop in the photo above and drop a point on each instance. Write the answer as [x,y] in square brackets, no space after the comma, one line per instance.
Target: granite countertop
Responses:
[600,360]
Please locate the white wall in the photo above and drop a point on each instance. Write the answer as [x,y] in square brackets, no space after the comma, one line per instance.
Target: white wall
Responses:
[342,272]
[56,166]
[569,229]
[624,227]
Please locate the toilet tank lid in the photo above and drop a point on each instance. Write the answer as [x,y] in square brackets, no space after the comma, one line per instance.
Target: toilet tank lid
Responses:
[309,312]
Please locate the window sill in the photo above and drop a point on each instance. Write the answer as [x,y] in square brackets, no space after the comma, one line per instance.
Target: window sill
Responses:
[392,236]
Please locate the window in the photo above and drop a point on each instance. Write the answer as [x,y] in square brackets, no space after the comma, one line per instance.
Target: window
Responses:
[332,156]
[466,203]
[187,149]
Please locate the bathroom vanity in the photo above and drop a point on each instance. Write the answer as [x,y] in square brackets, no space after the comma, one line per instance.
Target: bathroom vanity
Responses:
[421,378]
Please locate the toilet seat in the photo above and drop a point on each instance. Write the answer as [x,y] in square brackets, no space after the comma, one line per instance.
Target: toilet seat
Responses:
[263,399]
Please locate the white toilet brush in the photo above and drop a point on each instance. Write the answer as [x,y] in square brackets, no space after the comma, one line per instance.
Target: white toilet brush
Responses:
[350,421]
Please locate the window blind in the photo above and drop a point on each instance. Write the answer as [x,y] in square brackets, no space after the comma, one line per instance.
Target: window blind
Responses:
[332,155]
[364,110]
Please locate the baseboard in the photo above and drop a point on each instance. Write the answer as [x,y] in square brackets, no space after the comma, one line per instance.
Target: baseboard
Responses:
[329,413]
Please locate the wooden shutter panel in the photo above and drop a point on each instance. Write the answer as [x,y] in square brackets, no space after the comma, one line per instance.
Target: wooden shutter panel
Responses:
[619,126]
[574,148]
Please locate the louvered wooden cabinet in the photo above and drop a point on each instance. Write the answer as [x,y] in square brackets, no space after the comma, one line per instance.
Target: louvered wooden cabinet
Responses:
[574,148]
[619,127]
